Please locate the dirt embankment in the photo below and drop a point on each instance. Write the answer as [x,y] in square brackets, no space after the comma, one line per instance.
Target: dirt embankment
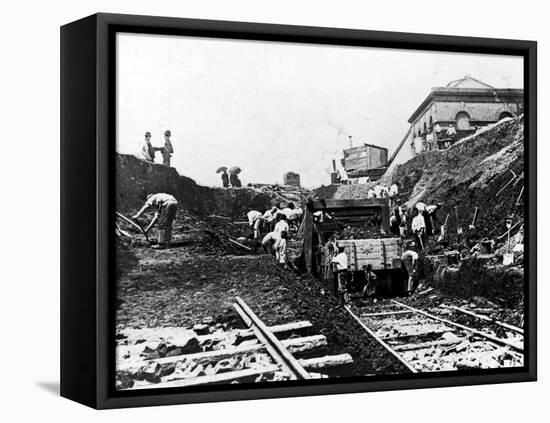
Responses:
[136,179]
[470,174]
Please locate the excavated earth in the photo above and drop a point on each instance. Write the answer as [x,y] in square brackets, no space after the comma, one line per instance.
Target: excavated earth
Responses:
[198,278]
[184,285]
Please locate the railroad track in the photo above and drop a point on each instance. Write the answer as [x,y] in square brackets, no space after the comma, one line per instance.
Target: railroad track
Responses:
[257,353]
[424,342]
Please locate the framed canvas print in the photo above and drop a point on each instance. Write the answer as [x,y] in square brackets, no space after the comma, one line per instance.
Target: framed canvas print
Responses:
[257,211]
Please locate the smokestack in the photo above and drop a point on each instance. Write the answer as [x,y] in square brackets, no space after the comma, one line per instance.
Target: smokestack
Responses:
[333,165]
[350,141]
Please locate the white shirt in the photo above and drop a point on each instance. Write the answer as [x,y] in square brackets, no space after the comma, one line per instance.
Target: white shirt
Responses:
[144,151]
[281,226]
[451,130]
[394,190]
[371,193]
[418,223]
[431,209]
[159,200]
[270,215]
[287,211]
[253,215]
[341,261]
[420,206]
[271,237]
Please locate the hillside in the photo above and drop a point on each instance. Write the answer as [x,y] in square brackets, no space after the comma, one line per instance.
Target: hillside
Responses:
[470,174]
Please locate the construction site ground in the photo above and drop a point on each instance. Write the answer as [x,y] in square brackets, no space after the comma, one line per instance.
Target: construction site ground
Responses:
[183,285]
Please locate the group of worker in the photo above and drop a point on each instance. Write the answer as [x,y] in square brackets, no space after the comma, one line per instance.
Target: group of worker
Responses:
[277,221]
[147,150]
[382,191]
[423,220]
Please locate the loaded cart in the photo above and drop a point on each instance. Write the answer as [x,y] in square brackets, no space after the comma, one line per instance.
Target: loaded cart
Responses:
[362,228]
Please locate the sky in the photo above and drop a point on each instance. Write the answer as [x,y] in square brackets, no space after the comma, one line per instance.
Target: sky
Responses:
[271,107]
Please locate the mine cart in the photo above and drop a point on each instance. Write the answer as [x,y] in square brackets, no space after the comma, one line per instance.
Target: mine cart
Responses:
[362,228]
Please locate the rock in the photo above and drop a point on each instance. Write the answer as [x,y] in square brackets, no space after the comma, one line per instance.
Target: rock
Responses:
[208,320]
[201,329]
[150,372]
[124,381]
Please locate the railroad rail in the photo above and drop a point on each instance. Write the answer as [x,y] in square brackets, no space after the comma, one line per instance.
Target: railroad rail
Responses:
[258,352]
[276,349]
[425,342]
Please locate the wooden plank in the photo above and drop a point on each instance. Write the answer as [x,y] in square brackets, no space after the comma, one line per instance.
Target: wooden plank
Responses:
[495,339]
[321,363]
[207,356]
[226,377]
[274,353]
[380,341]
[283,352]
[426,345]
[305,344]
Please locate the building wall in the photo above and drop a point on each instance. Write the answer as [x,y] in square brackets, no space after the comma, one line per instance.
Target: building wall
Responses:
[446,111]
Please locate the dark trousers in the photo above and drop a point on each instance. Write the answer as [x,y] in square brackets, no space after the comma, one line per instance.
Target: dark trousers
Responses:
[167,216]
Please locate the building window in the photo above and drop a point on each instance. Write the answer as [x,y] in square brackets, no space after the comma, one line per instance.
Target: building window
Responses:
[505,115]
[462,121]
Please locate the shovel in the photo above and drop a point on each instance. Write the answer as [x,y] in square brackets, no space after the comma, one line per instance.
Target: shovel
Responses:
[458,228]
[472,227]
[443,229]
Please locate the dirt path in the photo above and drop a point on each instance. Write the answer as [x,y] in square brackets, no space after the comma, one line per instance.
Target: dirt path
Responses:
[181,286]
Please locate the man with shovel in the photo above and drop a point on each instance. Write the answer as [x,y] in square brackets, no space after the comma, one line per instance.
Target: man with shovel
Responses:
[167,207]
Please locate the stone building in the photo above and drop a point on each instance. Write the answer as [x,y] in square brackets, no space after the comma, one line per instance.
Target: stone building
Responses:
[465,105]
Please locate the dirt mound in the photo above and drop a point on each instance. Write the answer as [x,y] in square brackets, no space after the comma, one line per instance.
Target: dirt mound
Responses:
[471,173]
[343,192]
[136,178]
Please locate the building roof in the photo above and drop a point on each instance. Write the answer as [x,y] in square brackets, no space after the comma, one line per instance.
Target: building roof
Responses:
[468,82]
[466,89]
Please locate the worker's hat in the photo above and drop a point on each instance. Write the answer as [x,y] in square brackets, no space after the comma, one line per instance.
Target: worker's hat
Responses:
[147,134]
[167,132]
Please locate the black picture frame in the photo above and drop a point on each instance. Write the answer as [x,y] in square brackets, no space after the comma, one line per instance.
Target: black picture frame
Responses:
[87,201]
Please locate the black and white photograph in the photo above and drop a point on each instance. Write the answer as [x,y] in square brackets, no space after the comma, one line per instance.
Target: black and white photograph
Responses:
[290,211]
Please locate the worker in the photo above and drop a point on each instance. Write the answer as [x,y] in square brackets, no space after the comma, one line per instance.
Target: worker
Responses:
[451,133]
[270,217]
[275,243]
[293,214]
[430,140]
[167,206]
[371,193]
[225,179]
[370,281]
[394,190]
[282,224]
[340,262]
[419,228]
[430,216]
[409,263]
[167,150]
[396,220]
[146,150]
[255,222]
